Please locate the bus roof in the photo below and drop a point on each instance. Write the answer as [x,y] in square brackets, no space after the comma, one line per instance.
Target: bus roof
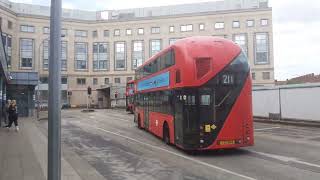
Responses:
[187,43]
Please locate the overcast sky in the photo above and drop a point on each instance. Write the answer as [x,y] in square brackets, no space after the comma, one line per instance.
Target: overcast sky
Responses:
[296,29]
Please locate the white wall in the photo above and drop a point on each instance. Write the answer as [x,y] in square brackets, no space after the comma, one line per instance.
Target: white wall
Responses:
[301,103]
[297,101]
[265,102]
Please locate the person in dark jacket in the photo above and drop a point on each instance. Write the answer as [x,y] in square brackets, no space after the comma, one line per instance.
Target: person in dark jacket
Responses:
[13,115]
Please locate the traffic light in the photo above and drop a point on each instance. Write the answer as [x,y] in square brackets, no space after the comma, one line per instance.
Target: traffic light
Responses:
[89,90]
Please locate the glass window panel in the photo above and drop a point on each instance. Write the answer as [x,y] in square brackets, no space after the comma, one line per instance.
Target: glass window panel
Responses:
[261,48]
[81,55]
[155,46]
[219,25]
[205,100]
[120,56]
[241,40]
[137,54]
[26,52]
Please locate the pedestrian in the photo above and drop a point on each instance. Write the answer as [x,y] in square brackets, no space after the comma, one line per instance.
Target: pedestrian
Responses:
[13,115]
[6,114]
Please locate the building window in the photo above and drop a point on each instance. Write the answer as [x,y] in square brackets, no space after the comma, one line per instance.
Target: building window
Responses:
[26,53]
[129,79]
[261,48]
[140,31]
[221,36]
[64,80]
[266,75]
[264,22]
[106,33]
[128,32]
[95,81]
[250,23]
[46,30]
[9,25]
[81,55]
[27,28]
[253,76]
[106,80]
[155,30]
[45,54]
[64,55]
[81,33]
[241,40]
[64,51]
[7,43]
[120,55]
[64,32]
[117,32]
[155,46]
[236,24]
[117,80]
[219,25]
[94,34]
[137,54]
[100,56]
[44,80]
[186,28]
[171,29]
[81,81]
[201,27]
[173,40]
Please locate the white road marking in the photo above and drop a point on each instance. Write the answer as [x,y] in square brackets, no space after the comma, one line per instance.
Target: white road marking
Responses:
[263,129]
[173,153]
[285,158]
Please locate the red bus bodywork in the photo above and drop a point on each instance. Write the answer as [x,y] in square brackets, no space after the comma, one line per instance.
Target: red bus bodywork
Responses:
[207,101]
[130,89]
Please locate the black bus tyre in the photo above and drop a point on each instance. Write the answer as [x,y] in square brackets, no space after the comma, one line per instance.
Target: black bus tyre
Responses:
[166,134]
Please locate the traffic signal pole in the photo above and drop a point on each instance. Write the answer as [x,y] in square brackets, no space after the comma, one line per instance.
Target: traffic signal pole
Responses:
[54,104]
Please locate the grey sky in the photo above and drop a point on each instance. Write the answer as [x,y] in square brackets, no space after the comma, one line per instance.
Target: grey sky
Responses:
[296,29]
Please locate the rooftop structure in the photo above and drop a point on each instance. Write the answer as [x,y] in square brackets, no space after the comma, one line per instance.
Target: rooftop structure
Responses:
[127,14]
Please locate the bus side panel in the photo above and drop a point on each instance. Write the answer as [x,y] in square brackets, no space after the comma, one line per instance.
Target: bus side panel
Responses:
[141,114]
[157,121]
[239,123]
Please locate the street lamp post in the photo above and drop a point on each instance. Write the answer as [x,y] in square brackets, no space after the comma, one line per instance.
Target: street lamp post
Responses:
[54,109]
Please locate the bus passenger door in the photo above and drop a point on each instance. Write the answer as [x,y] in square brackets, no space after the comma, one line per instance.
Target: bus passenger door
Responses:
[178,118]
[146,111]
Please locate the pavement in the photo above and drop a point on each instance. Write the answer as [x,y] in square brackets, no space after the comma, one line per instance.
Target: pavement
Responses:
[23,156]
[106,144]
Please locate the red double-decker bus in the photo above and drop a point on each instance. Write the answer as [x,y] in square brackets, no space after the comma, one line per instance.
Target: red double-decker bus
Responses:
[196,94]
[130,96]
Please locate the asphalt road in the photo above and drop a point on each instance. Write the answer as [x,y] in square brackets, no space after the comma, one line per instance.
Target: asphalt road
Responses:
[111,143]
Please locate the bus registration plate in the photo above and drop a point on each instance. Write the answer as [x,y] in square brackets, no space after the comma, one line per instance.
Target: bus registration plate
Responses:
[227,142]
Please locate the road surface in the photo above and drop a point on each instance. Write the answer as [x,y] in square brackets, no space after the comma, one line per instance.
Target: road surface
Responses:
[111,143]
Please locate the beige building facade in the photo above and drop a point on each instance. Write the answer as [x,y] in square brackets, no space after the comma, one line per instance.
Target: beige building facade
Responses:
[103,48]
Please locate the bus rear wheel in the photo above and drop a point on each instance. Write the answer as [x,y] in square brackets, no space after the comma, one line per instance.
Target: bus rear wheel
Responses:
[166,134]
